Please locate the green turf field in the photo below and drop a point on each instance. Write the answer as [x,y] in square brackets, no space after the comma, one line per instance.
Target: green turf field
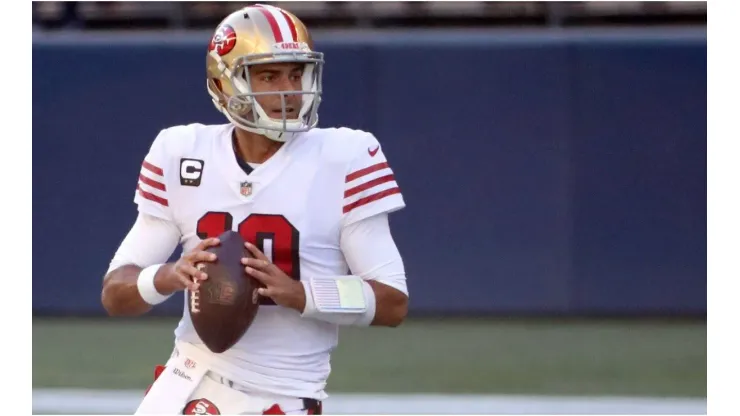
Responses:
[586,357]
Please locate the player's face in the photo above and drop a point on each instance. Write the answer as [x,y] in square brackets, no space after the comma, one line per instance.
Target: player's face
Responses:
[278,77]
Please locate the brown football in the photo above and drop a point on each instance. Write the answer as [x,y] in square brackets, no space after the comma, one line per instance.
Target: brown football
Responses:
[225,305]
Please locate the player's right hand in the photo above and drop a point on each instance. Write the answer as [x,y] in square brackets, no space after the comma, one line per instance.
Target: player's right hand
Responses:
[183,274]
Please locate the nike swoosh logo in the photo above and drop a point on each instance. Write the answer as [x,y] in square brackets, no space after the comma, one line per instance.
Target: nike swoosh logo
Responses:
[373,152]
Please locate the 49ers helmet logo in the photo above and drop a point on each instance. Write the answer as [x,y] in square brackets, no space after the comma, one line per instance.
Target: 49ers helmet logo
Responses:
[200,407]
[223,40]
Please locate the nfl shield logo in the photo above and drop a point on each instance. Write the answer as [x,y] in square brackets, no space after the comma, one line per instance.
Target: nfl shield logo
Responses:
[246,188]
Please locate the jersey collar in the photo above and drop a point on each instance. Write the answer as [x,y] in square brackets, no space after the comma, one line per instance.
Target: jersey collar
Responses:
[237,173]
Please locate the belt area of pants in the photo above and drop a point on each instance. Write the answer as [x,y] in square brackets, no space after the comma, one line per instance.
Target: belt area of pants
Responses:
[313,406]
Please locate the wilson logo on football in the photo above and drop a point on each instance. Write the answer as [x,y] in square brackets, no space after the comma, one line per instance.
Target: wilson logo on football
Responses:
[223,41]
[200,407]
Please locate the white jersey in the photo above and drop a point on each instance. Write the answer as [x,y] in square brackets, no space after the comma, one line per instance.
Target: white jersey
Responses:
[293,207]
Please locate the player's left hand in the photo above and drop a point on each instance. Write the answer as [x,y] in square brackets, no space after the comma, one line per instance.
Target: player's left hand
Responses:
[280,287]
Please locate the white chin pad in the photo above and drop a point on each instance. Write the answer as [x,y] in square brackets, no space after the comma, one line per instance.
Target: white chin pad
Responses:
[276,123]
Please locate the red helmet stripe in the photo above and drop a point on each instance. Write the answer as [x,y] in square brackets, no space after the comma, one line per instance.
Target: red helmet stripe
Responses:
[291,25]
[273,24]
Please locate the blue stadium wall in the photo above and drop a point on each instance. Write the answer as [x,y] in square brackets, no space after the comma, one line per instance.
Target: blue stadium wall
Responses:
[544,173]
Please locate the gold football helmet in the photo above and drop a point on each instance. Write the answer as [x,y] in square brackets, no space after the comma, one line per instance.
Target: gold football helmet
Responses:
[262,34]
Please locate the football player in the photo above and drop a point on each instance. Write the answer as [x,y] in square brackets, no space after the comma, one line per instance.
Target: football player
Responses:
[311,202]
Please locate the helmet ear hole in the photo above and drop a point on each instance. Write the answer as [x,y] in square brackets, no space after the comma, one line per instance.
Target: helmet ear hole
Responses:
[217,83]
[215,89]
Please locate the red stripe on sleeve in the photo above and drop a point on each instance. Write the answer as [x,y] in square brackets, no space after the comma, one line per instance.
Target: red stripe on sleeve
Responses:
[154,184]
[152,197]
[368,185]
[371,198]
[154,169]
[365,171]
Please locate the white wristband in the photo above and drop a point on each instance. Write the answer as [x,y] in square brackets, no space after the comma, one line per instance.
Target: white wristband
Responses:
[342,300]
[145,284]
